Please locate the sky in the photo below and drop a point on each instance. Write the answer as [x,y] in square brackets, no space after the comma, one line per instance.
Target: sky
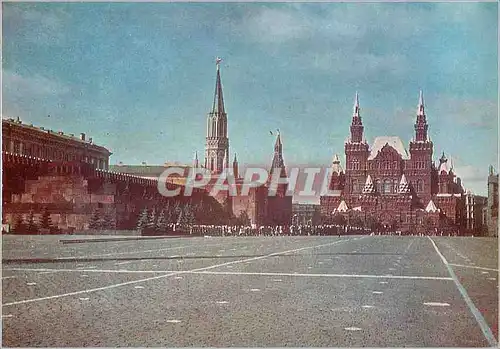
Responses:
[139,77]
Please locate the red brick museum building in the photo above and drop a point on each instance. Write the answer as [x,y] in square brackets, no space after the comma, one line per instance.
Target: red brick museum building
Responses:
[388,186]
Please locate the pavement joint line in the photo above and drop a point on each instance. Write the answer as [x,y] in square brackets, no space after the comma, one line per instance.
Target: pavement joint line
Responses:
[412,277]
[488,334]
[132,252]
[93,270]
[167,275]
[472,266]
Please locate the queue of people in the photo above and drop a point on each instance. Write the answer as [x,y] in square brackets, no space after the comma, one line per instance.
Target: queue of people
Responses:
[294,230]
[290,230]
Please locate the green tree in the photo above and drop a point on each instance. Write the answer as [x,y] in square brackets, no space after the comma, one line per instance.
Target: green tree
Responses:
[339,219]
[169,215]
[143,219]
[31,226]
[19,225]
[95,220]
[162,223]
[109,220]
[181,217]
[45,220]
[190,214]
[243,218]
[356,221]
[176,212]
[152,219]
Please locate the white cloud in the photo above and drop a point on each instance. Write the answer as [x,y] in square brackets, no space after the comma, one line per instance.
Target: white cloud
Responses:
[275,26]
[473,178]
[15,84]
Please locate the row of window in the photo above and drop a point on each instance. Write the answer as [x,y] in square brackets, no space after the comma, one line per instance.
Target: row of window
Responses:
[387,165]
[386,186]
[35,150]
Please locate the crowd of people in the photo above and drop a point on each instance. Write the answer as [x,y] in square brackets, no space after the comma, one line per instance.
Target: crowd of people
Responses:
[293,230]
[290,230]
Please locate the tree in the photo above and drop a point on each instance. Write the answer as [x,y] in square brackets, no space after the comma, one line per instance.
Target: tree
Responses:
[143,219]
[162,223]
[189,214]
[371,223]
[339,219]
[151,223]
[176,212]
[31,226]
[180,217]
[356,221]
[95,220]
[19,225]
[108,221]
[45,220]
[243,218]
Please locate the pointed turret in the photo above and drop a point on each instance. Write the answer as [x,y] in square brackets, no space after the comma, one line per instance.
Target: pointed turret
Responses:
[217,141]
[218,105]
[443,164]
[421,123]
[356,124]
[278,162]
[235,167]
[443,158]
[421,108]
[195,161]
[336,166]
[356,106]
[404,188]
[369,188]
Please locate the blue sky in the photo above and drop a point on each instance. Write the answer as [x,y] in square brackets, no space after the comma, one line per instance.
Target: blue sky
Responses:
[139,78]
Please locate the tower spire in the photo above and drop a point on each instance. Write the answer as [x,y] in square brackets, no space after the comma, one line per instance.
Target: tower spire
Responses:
[195,162]
[356,106]
[421,109]
[235,167]
[218,105]
[217,141]
[278,162]
[356,124]
[421,123]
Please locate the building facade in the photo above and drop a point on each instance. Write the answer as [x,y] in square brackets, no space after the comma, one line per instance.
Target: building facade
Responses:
[38,142]
[492,208]
[306,214]
[475,214]
[388,186]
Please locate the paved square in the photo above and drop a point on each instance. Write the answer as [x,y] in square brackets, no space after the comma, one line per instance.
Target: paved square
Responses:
[251,291]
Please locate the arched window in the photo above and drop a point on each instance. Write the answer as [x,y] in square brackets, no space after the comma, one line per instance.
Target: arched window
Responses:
[377,185]
[396,185]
